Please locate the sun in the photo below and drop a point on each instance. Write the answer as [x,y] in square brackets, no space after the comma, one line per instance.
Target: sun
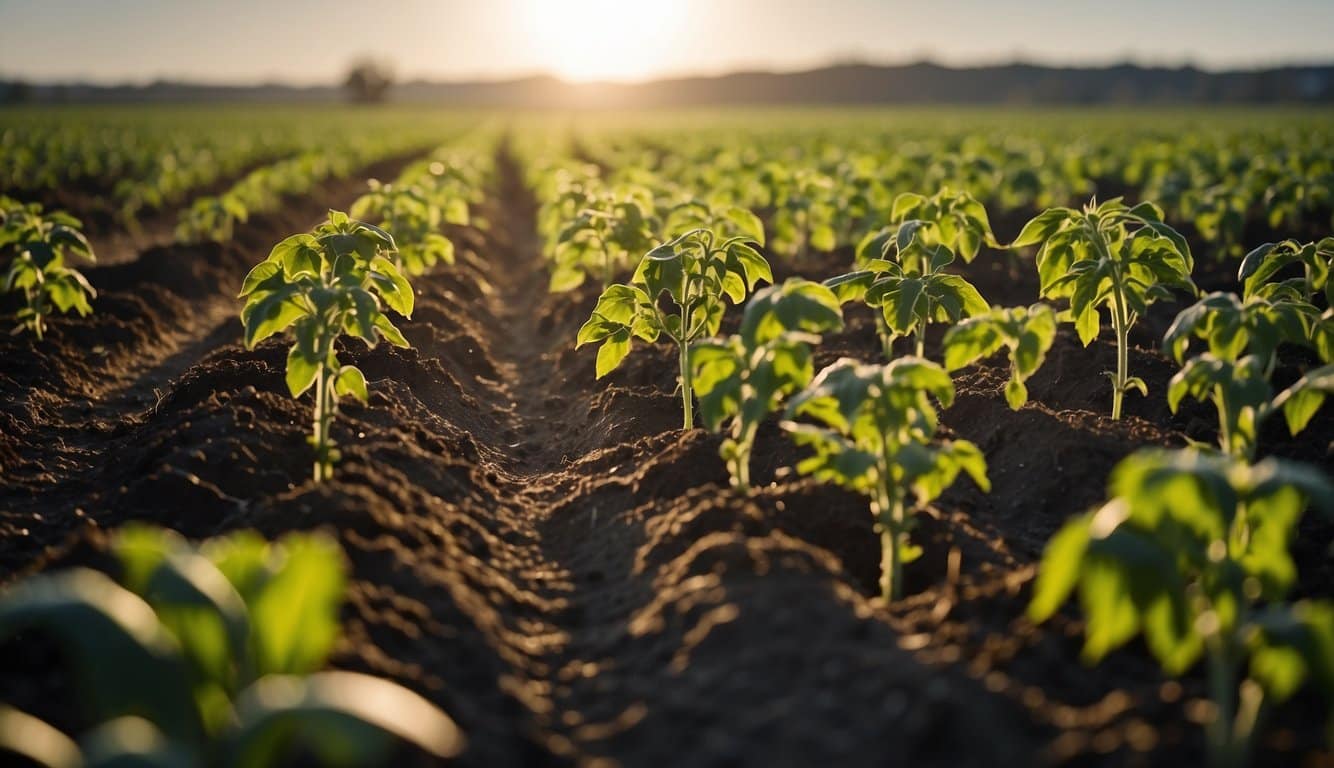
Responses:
[601,39]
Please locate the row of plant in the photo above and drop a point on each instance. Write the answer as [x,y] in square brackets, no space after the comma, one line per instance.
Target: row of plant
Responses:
[139,161]
[211,654]
[1192,550]
[823,185]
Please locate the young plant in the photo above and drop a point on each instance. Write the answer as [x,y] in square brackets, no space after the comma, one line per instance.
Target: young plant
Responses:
[1260,270]
[414,220]
[902,276]
[1111,256]
[1027,332]
[1234,371]
[1232,328]
[210,656]
[956,220]
[1192,552]
[743,378]
[211,219]
[695,276]
[322,286]
[600,240]
[1241,392]
[43,243]
[876,435]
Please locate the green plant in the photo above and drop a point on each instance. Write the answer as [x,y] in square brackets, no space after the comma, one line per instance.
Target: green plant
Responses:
[1027,332]
[902,275]
[956,220]
[1231,327]
[43,242]
[699,272]
[744,377]
[322,286]
[210,656]
[413,219]
[1192,552]
[600,239]
[1241,393]
[1261,268]
[876,435]
[1242,340]
[211,219]
[1112,256]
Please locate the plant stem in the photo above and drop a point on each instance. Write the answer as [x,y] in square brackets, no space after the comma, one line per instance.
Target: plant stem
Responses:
[1120,325]
[321,437]
[1221,738]
[687,402]
[920,338]
[889,521]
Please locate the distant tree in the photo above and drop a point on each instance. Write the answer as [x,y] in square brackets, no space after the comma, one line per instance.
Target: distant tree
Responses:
[369,81]
[16,92]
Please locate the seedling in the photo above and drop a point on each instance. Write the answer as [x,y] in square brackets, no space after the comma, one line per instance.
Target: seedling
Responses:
[699,272]
[877,436]
[1192,552]
[321,286]
[1231,327]
[1260,270]
[1241,392]
[43,243]
[210,656]
[1027,332]
[956,220]
[414,219]
[902,276]
[743,378]
[211,219]
[601,240]
[1112,256]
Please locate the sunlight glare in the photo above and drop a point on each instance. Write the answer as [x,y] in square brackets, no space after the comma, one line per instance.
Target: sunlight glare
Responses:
[602,39]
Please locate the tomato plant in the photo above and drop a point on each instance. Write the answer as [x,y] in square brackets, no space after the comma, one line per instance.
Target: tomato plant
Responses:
[876,435]
[1109,256]
[335,281]
[211,655]
[1027,332]
[43,242]
[743,378]
[902,275]
[695,275]
[1192,552]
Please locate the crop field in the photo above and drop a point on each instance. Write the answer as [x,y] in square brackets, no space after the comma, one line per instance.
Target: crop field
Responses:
[929,437]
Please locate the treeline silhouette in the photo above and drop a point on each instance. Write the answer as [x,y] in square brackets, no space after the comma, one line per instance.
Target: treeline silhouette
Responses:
[844,84]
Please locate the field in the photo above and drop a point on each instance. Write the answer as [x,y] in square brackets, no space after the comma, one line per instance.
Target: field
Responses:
[548,557]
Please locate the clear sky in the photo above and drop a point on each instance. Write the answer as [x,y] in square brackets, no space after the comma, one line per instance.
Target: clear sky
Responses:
[311,41]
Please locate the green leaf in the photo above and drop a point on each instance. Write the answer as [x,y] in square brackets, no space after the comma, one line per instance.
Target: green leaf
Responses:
[341,716]
[351,382]
[125,662]
[301,370]
[613,351]
[295,614]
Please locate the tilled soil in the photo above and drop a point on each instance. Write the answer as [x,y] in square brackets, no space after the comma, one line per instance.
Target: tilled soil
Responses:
[555,563]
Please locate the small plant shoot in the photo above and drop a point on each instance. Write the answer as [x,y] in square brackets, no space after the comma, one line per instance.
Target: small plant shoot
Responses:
[874,433]
[409,214]
[1026,332]
[742,379]
[1111,257]
[210,655]
[43,244]
[321,286]
[902,276]
[695,276]
[1191,552]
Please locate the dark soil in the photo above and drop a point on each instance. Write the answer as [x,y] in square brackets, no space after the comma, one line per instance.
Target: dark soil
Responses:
[552,561]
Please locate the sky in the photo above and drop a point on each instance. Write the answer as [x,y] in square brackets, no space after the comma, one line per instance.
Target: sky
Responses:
[312,41]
